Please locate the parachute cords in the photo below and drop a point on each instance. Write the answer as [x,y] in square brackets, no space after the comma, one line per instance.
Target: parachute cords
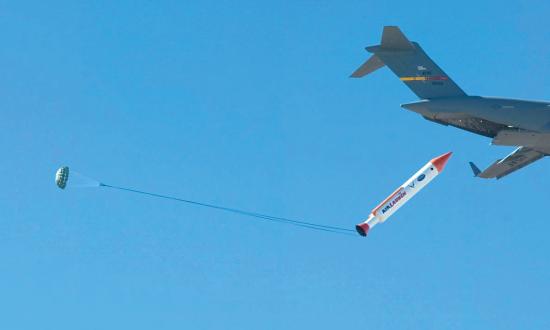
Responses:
[303,224]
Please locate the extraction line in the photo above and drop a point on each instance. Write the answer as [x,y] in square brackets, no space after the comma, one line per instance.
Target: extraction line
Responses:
[303,224]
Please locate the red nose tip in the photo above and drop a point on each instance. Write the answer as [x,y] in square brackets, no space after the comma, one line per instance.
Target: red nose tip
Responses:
[439,162]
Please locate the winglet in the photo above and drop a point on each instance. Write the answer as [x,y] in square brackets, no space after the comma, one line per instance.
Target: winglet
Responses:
[475,169]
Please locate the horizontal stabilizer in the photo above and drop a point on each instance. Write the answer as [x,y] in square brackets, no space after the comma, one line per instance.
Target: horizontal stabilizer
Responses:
[372,64]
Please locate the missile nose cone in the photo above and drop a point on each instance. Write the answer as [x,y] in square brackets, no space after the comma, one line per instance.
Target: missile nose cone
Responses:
[441,161]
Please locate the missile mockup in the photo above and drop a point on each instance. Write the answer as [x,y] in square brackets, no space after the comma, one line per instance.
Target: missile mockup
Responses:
[404,193]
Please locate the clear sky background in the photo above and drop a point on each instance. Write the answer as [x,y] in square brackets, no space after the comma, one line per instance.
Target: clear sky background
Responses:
[248,104]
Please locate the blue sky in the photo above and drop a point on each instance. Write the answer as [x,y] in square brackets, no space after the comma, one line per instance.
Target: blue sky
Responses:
[249,105]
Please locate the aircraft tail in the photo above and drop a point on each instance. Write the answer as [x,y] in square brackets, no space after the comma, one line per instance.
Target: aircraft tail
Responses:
[411,64]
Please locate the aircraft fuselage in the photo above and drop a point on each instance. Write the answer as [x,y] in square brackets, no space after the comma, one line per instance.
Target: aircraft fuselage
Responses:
[523,114]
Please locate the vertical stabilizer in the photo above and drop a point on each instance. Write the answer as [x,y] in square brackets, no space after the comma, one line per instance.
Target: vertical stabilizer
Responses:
[411,64]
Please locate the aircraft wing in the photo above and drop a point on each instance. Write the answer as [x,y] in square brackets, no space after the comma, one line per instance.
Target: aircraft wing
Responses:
[517,137]
[518,159]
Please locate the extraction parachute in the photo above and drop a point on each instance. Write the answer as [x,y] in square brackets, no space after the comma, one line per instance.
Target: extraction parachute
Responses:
[62,176]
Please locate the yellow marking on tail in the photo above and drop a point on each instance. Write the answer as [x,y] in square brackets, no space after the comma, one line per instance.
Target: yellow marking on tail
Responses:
[413,78]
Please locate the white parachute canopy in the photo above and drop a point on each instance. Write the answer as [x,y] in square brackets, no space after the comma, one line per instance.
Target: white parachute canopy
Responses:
[77,180]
